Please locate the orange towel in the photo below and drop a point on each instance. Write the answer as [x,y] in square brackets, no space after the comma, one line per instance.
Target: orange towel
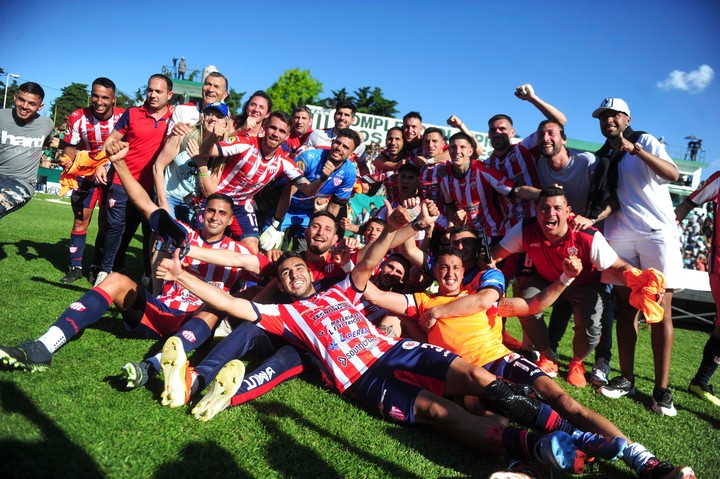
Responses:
[84,165]
[647,288]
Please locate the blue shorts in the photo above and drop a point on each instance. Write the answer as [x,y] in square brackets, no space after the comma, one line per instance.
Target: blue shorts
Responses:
[153,318]
[515,368]
[13,195]
[392,383]
[87,194]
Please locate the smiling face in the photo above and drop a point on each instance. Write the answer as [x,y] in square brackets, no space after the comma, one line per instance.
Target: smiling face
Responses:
[550,140]
[217,216]
[449,273]
[460,152]
[341,148]
[258,108]
[320,235]
[214,89]
[295,278]
[412,129]
[613,123]
[343,118]
[301,123]
[500,132]
[552,216]
[433,144]
[391,273]
[102,101]
[276,131]
[394,142]
[27,105]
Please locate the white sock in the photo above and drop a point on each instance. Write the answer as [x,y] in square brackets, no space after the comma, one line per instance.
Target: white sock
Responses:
[54,339]
[636,455]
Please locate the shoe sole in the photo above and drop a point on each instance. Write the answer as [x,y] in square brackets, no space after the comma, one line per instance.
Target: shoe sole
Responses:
[132,379]
[10,362]
[226,384]
[173,362]
[511,475]
[597,382]
[664,410]
[616,393]
[705,396]
[563,452]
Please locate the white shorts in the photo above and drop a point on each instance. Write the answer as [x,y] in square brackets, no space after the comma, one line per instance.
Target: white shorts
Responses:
[663,254]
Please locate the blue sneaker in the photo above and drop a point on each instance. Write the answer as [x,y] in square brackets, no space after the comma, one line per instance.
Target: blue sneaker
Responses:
[557,450]
[597,445]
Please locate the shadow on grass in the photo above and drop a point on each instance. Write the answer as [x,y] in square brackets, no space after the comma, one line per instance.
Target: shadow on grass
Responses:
[50,457]
[292,459]
[56,253]
[205,460]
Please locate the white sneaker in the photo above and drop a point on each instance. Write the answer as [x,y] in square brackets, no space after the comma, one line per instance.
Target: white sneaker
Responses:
[100,277]
[600,371]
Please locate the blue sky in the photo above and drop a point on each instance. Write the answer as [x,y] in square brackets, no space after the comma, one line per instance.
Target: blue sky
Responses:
[439,58]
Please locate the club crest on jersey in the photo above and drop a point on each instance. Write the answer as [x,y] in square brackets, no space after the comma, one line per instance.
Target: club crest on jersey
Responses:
[573,251]
[78,306]
[272,170]
[337,181]
[410,344]
[111,202]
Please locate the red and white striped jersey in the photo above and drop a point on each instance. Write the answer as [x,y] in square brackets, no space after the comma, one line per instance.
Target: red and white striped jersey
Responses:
[86,132]
[519,165]
[247,172]
[474,194]
[178,297]
[331,327]
[710,192]
[429,182]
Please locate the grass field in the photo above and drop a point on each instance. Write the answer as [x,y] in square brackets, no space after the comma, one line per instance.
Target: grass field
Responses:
[72,421]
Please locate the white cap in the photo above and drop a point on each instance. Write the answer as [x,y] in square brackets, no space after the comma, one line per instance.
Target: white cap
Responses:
[614,104]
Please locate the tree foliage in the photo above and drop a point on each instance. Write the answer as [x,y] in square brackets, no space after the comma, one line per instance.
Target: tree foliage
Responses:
[12,88]
[294,87]
[368,100]
[234,101]
[72,97]
[123,101]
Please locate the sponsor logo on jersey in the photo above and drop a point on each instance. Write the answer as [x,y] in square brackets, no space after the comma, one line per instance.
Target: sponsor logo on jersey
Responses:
[534,245]
[78,306]
[410,344]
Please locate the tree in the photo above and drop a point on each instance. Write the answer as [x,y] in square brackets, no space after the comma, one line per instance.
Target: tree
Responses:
[367,100]
[123,100]
[234,101]
[72,97]
[293,88]
[373,102]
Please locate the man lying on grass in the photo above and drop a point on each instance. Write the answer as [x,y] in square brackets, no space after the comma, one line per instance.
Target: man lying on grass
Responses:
[404,381]
[471,325]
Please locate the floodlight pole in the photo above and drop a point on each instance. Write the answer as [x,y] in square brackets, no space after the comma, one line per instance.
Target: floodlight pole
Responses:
[7,79]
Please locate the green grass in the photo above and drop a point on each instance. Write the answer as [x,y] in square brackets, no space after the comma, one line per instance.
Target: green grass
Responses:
[71,421]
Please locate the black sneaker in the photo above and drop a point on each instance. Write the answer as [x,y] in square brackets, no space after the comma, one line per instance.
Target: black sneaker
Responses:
[30,356]
[654,469]
[137,374]
[663,402]
[93,272]
[618,387]
[73,275]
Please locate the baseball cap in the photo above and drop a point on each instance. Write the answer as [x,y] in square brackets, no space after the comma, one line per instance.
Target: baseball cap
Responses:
[614,104]
[220,106]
